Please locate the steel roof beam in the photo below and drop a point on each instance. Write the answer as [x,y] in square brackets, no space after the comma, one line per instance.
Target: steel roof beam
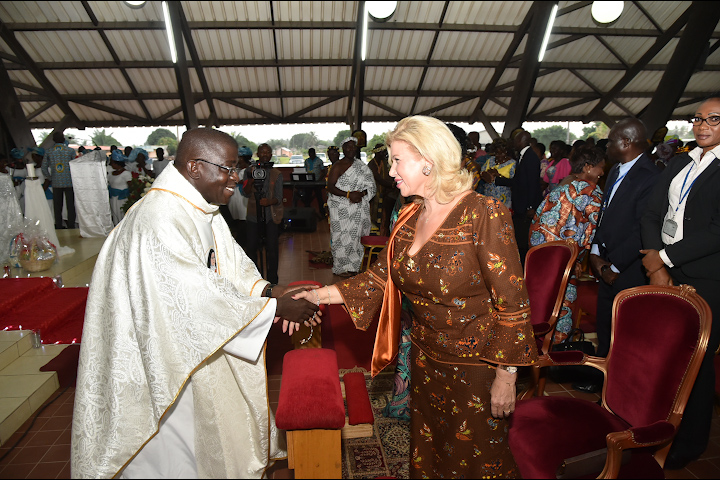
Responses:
[659,44]
[384,107]
[529,67]
[39,110]
[140,64]
[702,20]
[181,68]
[250,108]
[187,33]
[12,113]
[599,93]
[114,111]
[277,57]
[350,118]
[40,96]
[430,55]
[648,16]
[609,120]
[500,68]
[312,107]
[9,37]
[114,55]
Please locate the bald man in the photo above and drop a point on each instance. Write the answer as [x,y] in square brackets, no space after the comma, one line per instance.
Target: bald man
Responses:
[171,379]
[615,257]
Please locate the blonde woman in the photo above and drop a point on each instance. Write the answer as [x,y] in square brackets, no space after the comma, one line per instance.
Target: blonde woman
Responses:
[452,253]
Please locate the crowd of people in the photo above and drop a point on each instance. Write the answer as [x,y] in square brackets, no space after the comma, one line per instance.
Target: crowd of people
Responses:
[168,378]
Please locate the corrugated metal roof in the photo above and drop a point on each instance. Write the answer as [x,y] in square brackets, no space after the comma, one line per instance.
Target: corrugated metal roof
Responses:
[267,61]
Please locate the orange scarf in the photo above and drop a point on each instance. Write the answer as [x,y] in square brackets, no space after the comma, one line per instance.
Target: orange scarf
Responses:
[387,337]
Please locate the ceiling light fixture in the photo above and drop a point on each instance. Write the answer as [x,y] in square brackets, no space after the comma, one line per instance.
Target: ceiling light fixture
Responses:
[169,30]
[381,11]
[135,4]
[547,32]
[364,32]
[606,13]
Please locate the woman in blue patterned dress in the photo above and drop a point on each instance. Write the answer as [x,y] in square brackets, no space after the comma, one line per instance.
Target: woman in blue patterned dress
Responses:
[571,211]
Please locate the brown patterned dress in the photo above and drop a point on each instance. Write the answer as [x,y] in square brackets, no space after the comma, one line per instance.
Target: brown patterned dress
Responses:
[470,312]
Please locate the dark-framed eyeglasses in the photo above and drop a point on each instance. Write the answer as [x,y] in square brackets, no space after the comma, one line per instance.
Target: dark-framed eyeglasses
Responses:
[229,170]
[712,120]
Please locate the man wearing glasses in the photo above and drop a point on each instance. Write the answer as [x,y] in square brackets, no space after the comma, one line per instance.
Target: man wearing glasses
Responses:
[263,185]
[681,237]
[171,379]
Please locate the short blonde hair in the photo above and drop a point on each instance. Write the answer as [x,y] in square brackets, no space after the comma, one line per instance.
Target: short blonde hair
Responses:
[434,142]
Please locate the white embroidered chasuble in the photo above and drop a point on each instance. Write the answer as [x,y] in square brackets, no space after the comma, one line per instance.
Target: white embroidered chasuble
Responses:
[157,317]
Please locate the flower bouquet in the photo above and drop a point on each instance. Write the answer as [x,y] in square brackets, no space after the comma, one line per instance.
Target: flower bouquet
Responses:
[138,187]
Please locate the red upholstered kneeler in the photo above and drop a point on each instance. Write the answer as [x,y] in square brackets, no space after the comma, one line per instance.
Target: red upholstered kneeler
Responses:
[312,412]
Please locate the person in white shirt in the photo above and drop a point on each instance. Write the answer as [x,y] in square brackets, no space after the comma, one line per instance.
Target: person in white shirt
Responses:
[160,162]
[681,240]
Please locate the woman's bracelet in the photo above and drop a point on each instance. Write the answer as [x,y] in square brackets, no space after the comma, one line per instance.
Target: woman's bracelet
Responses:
[328,290]
[317,299]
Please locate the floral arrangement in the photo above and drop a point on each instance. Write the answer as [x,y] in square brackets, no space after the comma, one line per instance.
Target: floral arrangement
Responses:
[138,186]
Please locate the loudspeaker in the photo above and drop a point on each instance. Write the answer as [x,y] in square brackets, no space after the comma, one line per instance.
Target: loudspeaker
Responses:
[300,219]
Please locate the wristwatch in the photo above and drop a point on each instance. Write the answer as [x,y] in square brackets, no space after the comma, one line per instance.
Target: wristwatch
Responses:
[508,368]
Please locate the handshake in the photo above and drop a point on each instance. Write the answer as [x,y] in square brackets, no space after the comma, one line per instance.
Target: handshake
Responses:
[293,311]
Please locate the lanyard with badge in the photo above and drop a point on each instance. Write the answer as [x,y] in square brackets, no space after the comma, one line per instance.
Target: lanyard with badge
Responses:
[670,226]
[610,190]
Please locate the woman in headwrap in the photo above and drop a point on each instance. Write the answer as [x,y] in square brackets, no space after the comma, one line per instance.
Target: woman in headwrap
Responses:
[136,162]
[118,181]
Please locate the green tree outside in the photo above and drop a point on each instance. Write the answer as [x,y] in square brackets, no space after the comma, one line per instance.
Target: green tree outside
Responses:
[377,138]
[102,138]
[157,134]
[341,135]
[597,130]
[171,143]
[555,132]
[243,141]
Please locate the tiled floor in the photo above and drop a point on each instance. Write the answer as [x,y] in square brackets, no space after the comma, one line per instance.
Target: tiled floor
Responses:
[44,452]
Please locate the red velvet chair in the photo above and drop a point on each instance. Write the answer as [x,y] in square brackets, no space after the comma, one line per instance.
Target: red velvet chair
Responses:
[658,340]
[547,271]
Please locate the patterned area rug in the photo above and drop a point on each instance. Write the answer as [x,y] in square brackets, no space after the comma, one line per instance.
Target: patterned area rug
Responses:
[386,452]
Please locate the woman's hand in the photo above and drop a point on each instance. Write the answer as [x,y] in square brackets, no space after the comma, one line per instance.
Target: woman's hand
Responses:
[502,394]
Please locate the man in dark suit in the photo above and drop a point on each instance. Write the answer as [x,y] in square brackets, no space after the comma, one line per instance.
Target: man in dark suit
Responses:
[526,193]
[615,257]
[681,236]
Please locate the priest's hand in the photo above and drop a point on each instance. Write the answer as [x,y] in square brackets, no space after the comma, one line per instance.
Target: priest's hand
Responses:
[295,312]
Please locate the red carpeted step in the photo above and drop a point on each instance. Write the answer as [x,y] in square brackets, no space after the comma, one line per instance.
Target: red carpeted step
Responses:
[71,331]
[16,292]
[51,309]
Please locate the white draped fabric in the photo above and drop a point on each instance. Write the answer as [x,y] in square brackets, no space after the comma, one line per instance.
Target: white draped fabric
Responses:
[159,322]
[37,209]
[92,201]
[11,219]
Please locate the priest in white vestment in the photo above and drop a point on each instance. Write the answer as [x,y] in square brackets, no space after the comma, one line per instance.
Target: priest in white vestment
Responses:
[171,380]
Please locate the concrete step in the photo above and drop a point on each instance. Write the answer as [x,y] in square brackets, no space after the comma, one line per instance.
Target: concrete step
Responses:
[23,387]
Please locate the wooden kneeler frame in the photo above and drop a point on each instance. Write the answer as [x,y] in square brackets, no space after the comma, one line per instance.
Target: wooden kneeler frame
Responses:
[312,413]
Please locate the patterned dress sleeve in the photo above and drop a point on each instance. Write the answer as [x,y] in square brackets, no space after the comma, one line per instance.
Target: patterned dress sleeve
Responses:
[363,293]
[511,339]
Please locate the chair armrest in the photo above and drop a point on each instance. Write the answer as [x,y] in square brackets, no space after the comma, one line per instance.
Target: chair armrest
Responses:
[541,328]
[635,437]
